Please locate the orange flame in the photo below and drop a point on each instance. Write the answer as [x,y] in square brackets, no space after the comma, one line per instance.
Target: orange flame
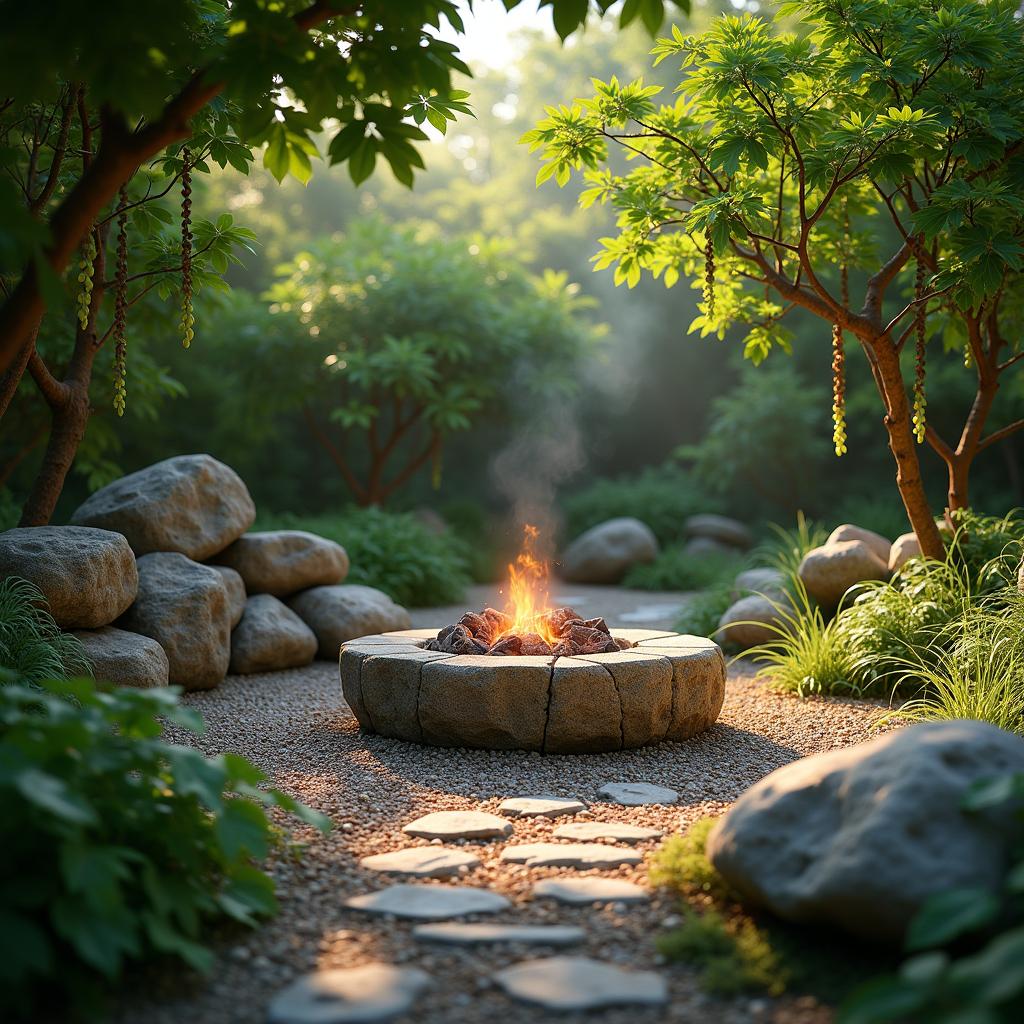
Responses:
[528,590]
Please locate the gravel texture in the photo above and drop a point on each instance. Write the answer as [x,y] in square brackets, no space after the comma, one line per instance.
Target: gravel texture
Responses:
[294,725]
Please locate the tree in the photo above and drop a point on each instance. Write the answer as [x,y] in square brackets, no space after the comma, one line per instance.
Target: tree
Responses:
[98,101]
[397,338]
[769,174]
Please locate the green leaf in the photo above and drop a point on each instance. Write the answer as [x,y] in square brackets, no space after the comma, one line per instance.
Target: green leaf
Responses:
[568,15]
[276,157]
[948,915]
[242,828]
[53,795]
[362,160]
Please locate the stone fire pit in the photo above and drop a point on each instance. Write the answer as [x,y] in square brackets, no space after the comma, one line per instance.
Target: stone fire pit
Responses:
[668,686]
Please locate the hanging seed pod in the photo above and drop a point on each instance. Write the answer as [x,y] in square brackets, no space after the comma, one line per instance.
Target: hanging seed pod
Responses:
[838,391]
[709,276]
[85,272]
[920,402]
[187,317]
[121,304]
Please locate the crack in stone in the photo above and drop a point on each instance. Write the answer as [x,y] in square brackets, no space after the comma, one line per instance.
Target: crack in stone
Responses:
[622,708]
[547,710]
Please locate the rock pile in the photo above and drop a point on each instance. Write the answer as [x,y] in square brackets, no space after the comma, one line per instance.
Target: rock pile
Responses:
[606,552]
[711,534]
[129,576]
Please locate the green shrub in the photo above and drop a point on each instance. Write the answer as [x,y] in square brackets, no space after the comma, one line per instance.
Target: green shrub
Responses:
[989,548]
[704,610]
[31,644]
[674,569]
[393,552]
[682,864]
[118,846]
[786,549]
[663,497]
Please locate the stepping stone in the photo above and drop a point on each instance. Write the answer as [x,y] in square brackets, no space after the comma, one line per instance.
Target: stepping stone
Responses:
[422,862]
[429,902]
[350,995]
[459,825]
[606,831]
[590,890]
[473,934]
[569,855]
[579,983]
[635,794]
[540,806]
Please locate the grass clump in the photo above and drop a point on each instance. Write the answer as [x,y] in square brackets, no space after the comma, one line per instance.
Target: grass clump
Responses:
[393,552]
[682,864]
[785,551]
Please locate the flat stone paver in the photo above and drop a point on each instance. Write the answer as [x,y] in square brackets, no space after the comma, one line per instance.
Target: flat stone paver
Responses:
[567,983]
[636,794]
[590,889]
[570,855]
[606,831]
[539,807]
[422,862]
[429,902]
[462,934]
[459,825]
[349,995]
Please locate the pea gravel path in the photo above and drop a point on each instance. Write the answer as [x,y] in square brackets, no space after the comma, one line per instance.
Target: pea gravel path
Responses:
[296,727]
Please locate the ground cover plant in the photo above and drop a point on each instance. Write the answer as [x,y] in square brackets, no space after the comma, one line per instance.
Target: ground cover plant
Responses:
[118,847]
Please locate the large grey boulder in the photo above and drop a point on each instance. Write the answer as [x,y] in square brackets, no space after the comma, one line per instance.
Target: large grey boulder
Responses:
[708,547]
[769,582]
[604,553]
[749,621]
[283,562]
[236,592]
[726,531]
[829,571]
[184,607]
[270,637]
[878,544]
[904,548]
[340,613]
[87,576]
[861,837]
[192,504]
[125,659]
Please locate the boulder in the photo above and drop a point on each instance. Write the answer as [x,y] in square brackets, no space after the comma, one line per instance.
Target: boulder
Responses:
[87,576]
[769,582]
[605,552]
[861,837]
[340,613]
[878,544]
[283,562]
[748,621]
[704,547]
[904,548]
[721,528]
[125,659]
[829,571]
[270,637]
[184,607]
[191,504]
[236,592]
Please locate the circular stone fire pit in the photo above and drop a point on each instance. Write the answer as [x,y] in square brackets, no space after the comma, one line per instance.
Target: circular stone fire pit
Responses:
[668,686]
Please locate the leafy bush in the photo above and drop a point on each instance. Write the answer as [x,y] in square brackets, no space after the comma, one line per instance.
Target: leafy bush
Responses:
[31,644]
[785,551]
[393,552]
[989,548]
[681,863]
[117,845]
[674,569]
[663,497]
[703,611]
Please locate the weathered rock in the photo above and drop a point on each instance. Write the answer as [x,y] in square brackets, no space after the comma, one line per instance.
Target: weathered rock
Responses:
[707,547]
[829,571]
[764,581]
[878,544]
[606,831]
[539,807]
[124,659]
[446,825]
[283,562]
[749,621]
[236,592]
[349,995]
[605,552]
[340,613]
[191,504]
[429,902]
[861,837]
[904,548]
[720,528]
[422,862]
[637,794]
[458,933]
[566,983]
[184,607]
[87,576]
[270,637]
[590,889]
[569,855]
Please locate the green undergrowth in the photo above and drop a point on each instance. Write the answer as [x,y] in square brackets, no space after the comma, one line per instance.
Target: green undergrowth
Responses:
[674,569]
[703,611]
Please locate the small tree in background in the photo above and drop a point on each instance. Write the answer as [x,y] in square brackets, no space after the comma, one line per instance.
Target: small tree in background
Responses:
[395,338]
[766,180]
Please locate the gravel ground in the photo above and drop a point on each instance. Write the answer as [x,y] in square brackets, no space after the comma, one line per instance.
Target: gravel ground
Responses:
[296,727]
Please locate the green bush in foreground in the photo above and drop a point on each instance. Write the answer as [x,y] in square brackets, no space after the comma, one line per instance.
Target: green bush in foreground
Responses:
[116,845]
[393,552]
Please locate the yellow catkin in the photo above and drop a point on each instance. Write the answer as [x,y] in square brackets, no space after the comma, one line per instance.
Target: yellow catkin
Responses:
[838,391]
[920,401]
[121,306]
[85,272]
[187,323]
[709,277]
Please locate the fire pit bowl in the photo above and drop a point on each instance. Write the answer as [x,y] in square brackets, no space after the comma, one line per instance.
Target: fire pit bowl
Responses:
[667,686]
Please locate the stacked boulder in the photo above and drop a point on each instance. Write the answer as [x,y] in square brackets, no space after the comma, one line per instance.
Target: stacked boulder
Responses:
[606,552]
[758,609]
[851,555]
[711,534]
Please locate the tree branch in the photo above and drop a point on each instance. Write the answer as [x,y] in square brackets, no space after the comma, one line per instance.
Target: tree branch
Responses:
[55,393]
[999,435]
